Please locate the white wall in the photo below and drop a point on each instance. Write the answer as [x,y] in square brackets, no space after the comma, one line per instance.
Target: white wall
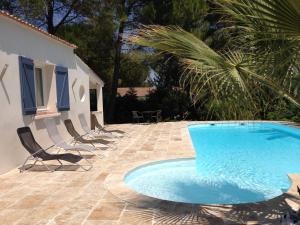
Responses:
[100,114]
[17,40]
[95,83]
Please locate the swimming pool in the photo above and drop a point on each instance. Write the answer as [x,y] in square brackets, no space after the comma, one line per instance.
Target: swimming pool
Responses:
[235,163]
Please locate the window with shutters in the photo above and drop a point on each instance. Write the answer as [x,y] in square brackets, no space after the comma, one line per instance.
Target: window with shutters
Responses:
[44,88]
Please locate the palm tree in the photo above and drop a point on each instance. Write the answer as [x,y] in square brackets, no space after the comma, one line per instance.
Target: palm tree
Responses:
[265,53]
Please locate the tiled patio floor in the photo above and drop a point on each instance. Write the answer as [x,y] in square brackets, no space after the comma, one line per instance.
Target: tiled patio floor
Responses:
[70,196]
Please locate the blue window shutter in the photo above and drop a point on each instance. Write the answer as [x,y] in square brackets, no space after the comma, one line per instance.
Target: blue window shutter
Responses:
[62,88]
[26,68]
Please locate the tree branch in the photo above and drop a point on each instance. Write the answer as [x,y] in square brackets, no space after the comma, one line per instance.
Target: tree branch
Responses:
[71,19]
[63,20]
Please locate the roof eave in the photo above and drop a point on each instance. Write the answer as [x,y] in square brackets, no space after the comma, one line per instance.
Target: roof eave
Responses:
[36,29]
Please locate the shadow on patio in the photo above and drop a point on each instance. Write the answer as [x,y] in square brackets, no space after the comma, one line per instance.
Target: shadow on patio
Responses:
[165,212]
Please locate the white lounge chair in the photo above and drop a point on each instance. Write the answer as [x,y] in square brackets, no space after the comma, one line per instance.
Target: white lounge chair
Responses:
[60,143]
[93,133]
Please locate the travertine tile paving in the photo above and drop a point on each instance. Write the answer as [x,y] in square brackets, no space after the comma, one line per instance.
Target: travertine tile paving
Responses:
[71,196]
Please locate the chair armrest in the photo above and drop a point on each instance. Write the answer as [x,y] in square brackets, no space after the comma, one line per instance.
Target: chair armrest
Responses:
[40,150]
[37,152]
[76,138]
[99,127]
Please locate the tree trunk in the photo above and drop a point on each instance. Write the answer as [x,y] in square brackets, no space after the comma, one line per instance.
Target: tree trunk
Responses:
[49,16]
[116,75]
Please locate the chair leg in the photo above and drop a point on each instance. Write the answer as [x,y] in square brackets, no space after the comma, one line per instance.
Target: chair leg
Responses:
[90,166]
[82,167]
[101,156]
[98,155]
[59,165]
[127,135]
[21,169]
[34,163]
[36,160]
[58,151]
[79,153]
[45,165]
[112,146]
[75,142]
[111,135]
[92,145]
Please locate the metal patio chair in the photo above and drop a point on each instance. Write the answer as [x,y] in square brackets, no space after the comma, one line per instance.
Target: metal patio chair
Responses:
[137,116]
[157,116]
[38,154]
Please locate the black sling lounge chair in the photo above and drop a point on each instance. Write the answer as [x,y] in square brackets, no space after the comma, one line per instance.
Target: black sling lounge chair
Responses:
[96,124]
[39,154]
[79,138]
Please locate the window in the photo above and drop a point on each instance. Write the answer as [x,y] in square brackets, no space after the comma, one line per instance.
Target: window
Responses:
[93,100]
[39,88]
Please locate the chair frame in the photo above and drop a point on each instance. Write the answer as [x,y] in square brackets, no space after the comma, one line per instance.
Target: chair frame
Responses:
[101,129]
[59,145]
[38,159]
[89,132]
[76,139]
[157,115]
[137,117]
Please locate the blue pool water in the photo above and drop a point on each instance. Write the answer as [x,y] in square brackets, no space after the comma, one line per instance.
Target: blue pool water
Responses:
[235,163]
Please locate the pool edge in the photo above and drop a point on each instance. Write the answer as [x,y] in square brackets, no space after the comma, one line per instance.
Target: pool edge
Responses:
[115,183]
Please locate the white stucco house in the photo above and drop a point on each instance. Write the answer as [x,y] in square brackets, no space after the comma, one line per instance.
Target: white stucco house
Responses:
[40,76]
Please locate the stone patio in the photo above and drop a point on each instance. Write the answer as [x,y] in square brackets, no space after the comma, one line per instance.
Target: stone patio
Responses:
[99,196]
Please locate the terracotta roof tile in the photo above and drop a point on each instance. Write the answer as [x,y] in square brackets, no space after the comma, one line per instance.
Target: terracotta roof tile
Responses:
[140,91]
[35,28]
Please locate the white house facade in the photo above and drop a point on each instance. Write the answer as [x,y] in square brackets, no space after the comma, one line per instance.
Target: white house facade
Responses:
[40,77]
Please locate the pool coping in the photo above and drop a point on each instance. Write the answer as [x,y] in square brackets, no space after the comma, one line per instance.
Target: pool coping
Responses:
[115,184]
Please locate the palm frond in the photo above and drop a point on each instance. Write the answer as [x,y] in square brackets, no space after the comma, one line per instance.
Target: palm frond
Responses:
[271,33]
[274,17]
[190,49]
[225,76]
